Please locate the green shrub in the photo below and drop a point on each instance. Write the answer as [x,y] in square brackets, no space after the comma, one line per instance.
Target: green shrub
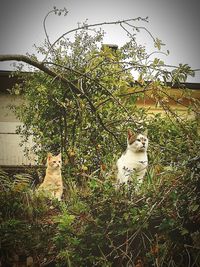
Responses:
[98,224]
[80,103]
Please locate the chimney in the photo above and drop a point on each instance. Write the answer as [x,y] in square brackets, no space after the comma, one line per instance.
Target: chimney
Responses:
[113,47]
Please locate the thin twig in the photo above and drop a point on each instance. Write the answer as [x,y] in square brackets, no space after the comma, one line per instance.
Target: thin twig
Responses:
[87,26]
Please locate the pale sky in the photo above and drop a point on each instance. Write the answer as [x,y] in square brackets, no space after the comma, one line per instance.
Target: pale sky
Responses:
[175,22]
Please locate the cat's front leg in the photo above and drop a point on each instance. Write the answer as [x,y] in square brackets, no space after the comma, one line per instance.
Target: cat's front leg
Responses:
[58,195]
[123,175]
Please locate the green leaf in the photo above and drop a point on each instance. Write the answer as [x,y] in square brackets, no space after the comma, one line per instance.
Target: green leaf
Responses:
[184,231]
[194,207]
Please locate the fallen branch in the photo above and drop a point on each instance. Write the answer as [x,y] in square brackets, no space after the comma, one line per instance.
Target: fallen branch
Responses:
[41,66]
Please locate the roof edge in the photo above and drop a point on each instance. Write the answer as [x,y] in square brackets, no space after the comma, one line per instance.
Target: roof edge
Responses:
[188,85]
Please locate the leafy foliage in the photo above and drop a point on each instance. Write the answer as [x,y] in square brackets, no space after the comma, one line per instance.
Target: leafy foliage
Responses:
[100,225]
[82,105]
[59,118]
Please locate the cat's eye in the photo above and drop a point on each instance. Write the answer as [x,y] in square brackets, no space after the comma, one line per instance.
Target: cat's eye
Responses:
[138,140]
[145,139]
[54,161]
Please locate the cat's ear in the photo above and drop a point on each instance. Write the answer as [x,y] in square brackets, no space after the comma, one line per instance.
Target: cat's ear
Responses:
[145,132]
[49,156]
[59,155]
[130,137]
[130,134]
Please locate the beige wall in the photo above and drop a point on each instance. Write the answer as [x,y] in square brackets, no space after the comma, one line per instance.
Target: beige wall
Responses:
[5,113]
[182,109]
[11,153]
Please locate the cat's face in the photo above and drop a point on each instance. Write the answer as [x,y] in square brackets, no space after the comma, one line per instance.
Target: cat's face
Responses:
[54,162]
[137,142]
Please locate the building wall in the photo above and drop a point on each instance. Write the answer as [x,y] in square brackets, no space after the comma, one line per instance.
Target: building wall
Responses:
[11,153]
[180,106]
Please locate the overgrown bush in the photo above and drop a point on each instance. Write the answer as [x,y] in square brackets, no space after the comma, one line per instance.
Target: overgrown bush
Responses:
[80,103]
[83,98]
[101,225]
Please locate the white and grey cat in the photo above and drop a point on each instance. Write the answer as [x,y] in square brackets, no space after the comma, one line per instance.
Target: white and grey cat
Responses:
[134,161]
[53,184]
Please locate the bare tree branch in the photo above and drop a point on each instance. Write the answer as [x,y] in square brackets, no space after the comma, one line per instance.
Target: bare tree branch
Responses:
[87,26]
[44,26]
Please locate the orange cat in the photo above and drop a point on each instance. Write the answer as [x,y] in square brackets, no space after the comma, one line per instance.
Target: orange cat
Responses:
[53,184]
